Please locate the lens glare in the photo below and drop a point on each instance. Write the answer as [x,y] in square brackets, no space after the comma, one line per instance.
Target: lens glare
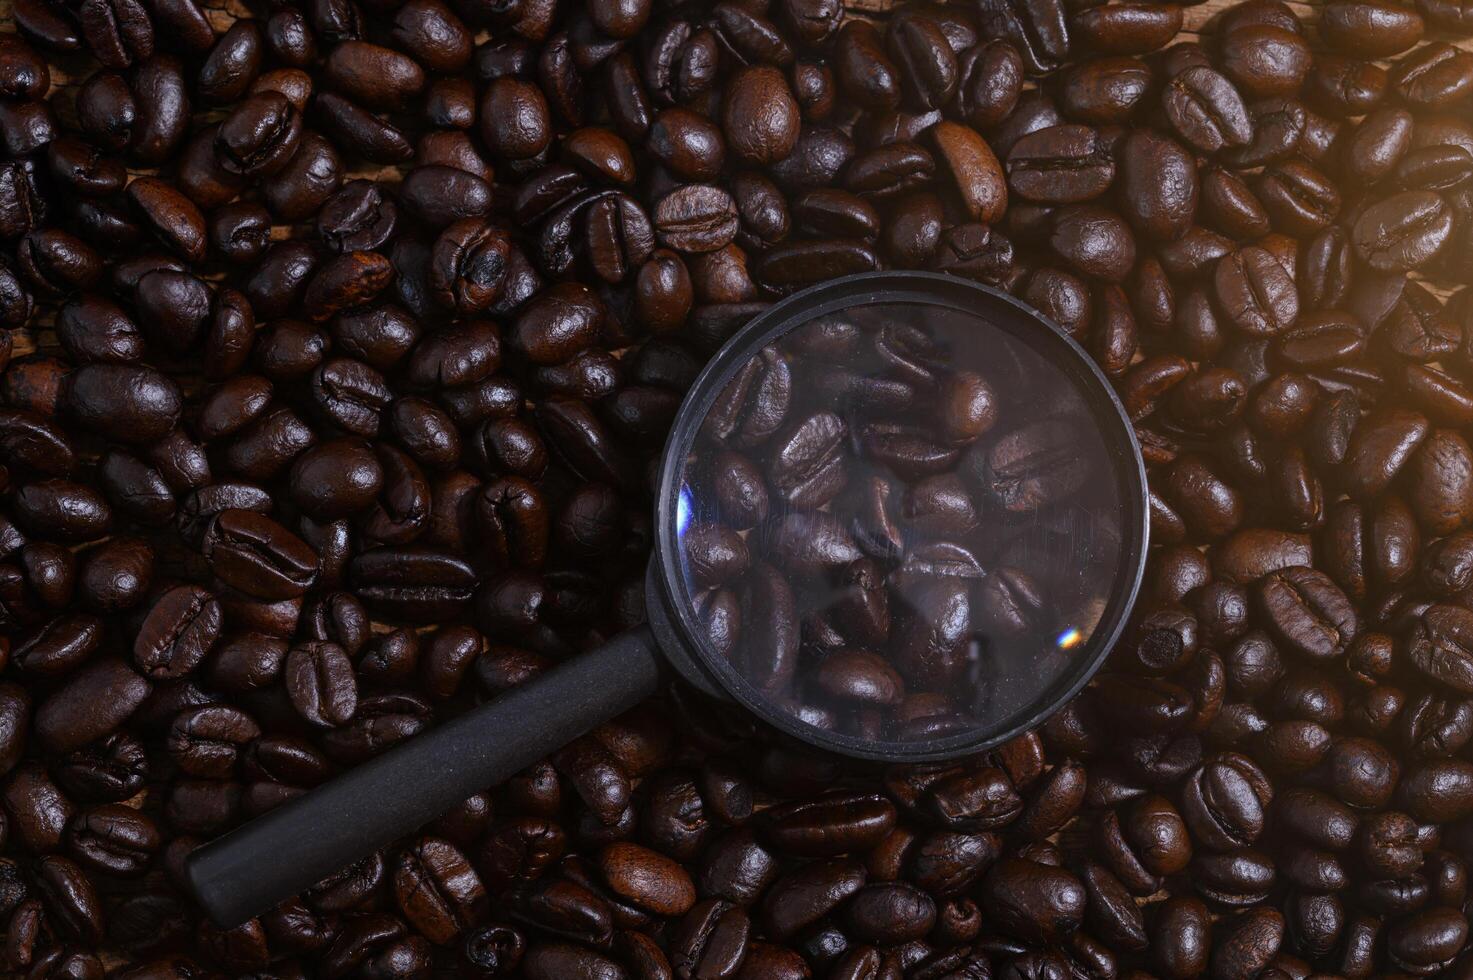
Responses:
[903,522]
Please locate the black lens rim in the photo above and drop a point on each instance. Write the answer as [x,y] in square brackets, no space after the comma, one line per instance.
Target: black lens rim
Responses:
[937,289]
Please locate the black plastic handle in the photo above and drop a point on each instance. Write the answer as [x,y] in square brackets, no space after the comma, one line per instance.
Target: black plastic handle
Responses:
[299,843]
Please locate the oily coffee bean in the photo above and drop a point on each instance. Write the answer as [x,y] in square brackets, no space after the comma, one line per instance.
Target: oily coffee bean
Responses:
[1395,29]
[258,556]
[177,633]
[1040,31]
[1060,165]
[1206,110]
[1255,292]
[1402,232]
[320,683]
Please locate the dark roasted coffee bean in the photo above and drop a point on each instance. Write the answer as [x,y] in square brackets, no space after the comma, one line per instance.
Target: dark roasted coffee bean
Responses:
[1206,110]
[1127,28]
[1060,165]
[320,683]
[1094,242]
[259,136]
[1434,76]
[1402,232]
[95,701]
[1308,612]
[178,632]
[1033,901]
[1370,29]
[1255,292]
[1159,185]
[1040,31]
[130,404]
[1378,143]
[258,556]
[357,217]
[1300,200]
[1265,60]
[415,585]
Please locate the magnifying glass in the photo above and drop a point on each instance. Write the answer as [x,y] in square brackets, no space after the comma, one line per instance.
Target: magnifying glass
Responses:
[900,516]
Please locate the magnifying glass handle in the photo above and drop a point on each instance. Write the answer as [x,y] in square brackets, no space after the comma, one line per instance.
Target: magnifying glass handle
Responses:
[297,844]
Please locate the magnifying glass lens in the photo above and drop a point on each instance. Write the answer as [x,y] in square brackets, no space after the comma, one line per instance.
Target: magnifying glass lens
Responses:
[901,522]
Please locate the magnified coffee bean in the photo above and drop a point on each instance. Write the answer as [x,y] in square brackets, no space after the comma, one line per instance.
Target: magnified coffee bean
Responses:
[1032,467]
[808,466]
[755,403]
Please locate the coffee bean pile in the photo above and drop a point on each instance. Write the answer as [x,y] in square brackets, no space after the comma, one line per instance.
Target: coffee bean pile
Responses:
[309,461]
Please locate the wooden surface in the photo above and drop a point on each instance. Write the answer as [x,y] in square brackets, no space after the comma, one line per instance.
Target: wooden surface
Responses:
[69,71]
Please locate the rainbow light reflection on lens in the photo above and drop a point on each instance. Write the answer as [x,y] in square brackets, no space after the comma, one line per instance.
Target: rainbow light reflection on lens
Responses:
[1069,639]
[682,510]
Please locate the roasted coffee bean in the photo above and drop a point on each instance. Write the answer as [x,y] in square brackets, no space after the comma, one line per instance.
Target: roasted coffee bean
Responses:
[259,136]
[1060,165]
[413,584]
[132,404]
[1255,292]
[178,632]
[1040,31]
[1371,29]
[713,938]
[802,897]
[258,556]
[1435,76]
[1094,242]
[436,889]
[95,702]
[1159,185]
[1265,60]
[1308,612]
[974,169]
[357,217]
[696,218]
[1206,110]
[836,824]
[320,683]
[1402,232]
[1033,901]
[1300,200]
[114,839]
